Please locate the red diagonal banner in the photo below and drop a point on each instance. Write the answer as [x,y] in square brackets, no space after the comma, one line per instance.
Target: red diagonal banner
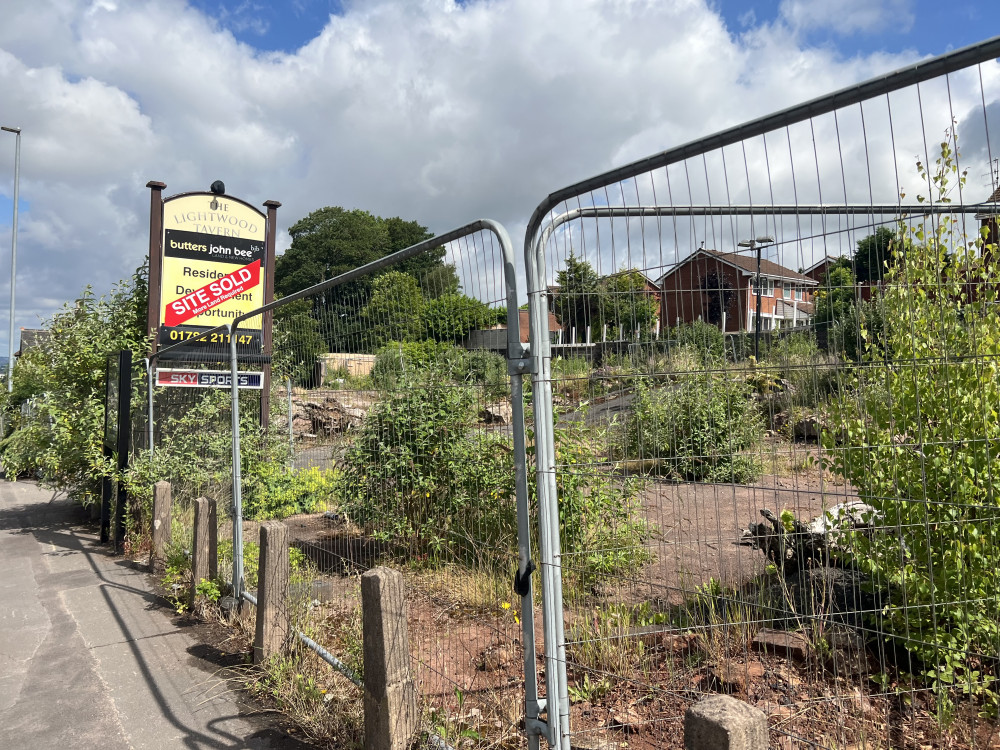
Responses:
[212,294]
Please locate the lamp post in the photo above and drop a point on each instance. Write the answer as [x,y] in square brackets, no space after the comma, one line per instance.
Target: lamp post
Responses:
[757,244]
[13,255]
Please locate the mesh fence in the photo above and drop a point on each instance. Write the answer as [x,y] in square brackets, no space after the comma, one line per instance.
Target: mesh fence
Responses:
[772,369]
[390,442]
[190,404]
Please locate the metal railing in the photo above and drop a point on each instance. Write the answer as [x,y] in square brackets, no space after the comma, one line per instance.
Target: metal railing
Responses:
[671,573]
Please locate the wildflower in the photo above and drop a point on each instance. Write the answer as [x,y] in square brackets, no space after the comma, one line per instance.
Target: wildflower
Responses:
[505,605]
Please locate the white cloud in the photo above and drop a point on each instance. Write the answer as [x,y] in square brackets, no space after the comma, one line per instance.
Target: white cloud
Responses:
[425,109]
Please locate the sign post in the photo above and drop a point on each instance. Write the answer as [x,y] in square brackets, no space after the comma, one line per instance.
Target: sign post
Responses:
[211,260]
[117,441]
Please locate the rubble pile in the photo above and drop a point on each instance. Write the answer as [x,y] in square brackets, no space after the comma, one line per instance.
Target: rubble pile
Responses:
[323,415]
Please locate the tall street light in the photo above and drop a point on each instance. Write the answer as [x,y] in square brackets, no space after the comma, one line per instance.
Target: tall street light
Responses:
[13,255]
[757,244]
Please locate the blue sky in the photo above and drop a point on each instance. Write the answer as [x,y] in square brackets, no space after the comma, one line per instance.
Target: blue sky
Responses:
[926,26]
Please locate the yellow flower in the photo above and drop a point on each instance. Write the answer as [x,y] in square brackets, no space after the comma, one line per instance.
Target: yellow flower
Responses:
[505,605]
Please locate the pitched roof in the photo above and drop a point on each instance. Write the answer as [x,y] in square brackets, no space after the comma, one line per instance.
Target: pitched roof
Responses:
[817,264]
[631,270]
[746,264]
[785,309]
[994,198]
[30,338]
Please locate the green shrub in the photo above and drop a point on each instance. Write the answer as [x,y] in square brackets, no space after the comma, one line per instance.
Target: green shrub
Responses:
[923,452]
[860,328]
[601,525]
[489,370]
[450,317]
[397,361]
[59,440]
[571,376]
[301,569]
[702,337]
[793,347]
[417,471]
[810,376]
[696,428]
[273,490]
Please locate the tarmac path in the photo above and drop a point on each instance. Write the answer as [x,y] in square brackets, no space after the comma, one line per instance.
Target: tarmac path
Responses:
[90,656]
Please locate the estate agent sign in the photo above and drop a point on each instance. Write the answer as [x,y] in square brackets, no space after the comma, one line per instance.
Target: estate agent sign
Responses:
[213,261]
[213,254]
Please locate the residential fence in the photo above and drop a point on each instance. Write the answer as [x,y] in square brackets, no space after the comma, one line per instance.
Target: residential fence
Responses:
[753,471]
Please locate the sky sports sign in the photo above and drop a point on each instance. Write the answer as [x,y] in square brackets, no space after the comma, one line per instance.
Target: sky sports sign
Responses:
[208,378]
[212,271]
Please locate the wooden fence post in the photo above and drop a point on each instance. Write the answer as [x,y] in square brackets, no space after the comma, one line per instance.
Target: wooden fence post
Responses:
[272,591]
[199,547]
[721,722]
[213,538]
[391,716]
[162,509]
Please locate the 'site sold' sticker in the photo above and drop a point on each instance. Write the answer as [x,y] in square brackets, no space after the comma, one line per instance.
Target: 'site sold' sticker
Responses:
[212,294]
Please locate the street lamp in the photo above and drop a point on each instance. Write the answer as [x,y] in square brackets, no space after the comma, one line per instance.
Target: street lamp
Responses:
[13,255]
[758,244]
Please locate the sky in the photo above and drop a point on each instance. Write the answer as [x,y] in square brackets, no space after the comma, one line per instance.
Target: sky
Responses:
[432,110]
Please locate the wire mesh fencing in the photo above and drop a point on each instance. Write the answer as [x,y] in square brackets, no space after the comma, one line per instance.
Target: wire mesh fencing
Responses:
[765,407]
[390,440]
[182,434]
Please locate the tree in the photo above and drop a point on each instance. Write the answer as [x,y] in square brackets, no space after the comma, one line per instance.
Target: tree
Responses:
[327,243]
[834,302]
[439,281]
[60,438]
[577,303]
[874,254]
[450,317]
[333,240]
[720,293]
[297,341]
[627,306]
[394,311]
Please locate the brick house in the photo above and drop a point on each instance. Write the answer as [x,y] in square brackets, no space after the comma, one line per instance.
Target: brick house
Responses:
[717,288]
[818,270]
[989,217]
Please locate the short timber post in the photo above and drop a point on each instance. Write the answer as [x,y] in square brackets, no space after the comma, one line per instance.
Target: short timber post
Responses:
[272,592]
[199,546]
[213,538]
[391,717]
[721,722]
[162,509]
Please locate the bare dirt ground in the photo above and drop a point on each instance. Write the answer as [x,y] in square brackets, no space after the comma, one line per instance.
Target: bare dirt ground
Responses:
[696,526]
[468,660]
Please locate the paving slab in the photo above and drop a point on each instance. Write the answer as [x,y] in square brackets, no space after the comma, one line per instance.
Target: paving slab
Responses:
[91,657]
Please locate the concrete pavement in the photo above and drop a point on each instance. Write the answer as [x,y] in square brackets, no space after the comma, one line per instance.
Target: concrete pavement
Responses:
[90,657]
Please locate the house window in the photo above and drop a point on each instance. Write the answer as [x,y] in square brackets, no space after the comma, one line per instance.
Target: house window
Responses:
[786,291]
[798,293]
[767,288]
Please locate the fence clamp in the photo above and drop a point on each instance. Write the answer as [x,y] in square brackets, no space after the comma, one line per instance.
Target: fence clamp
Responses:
[522,582]
[533,727]
[523,365]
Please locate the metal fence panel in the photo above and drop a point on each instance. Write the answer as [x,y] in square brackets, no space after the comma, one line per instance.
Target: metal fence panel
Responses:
[760,471]
[395,437]
[182,433]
